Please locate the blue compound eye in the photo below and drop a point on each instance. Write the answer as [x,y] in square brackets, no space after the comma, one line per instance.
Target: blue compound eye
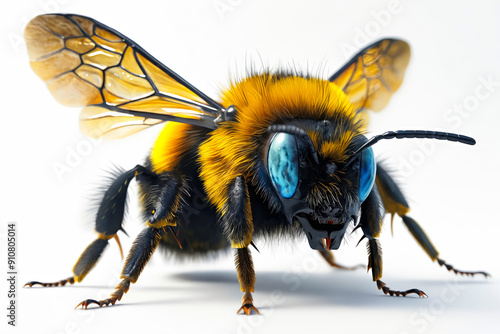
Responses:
[367,175]
[283,164]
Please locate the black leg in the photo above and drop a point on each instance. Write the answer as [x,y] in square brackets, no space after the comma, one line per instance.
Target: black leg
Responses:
[161,197]
[143,247]
[109,220]
[238,227]
[375,264]
[371,219]
[237,214]
[246,277]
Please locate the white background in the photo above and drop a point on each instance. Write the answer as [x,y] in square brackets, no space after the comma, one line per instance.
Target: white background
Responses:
[452,188]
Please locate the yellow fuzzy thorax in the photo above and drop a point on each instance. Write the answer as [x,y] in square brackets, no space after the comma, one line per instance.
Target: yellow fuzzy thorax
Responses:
[170,146]
[261,100]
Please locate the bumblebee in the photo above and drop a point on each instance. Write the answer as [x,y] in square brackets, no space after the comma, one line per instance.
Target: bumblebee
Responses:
[279,154]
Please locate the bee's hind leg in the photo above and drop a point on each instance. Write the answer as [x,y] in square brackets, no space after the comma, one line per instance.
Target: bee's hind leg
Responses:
[395,203]
[162,195]
[143,247]
[108,221]
[330,259]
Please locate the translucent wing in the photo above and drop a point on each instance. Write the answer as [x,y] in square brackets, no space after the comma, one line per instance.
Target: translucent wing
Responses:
[122,88]
[374,74]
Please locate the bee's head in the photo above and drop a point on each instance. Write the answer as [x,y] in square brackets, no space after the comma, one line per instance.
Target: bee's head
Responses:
[318,180]
[323,175]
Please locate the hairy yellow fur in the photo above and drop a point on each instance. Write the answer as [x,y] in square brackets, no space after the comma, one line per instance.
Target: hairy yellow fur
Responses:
[261,100]
[170,146]
[334,150]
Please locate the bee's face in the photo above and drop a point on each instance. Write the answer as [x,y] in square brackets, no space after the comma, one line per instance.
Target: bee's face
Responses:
[322,191]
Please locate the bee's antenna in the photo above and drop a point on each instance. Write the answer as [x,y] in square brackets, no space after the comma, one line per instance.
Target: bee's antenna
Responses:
[414,134]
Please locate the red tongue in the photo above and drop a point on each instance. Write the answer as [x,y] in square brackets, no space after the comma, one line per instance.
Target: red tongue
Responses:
[328,240]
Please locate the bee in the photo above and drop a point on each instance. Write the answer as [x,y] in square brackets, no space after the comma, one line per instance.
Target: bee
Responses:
[279,154]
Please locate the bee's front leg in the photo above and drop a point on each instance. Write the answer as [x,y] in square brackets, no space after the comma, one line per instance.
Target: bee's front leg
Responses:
[246,277]
[371,222]
[375,263]
[238,227]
